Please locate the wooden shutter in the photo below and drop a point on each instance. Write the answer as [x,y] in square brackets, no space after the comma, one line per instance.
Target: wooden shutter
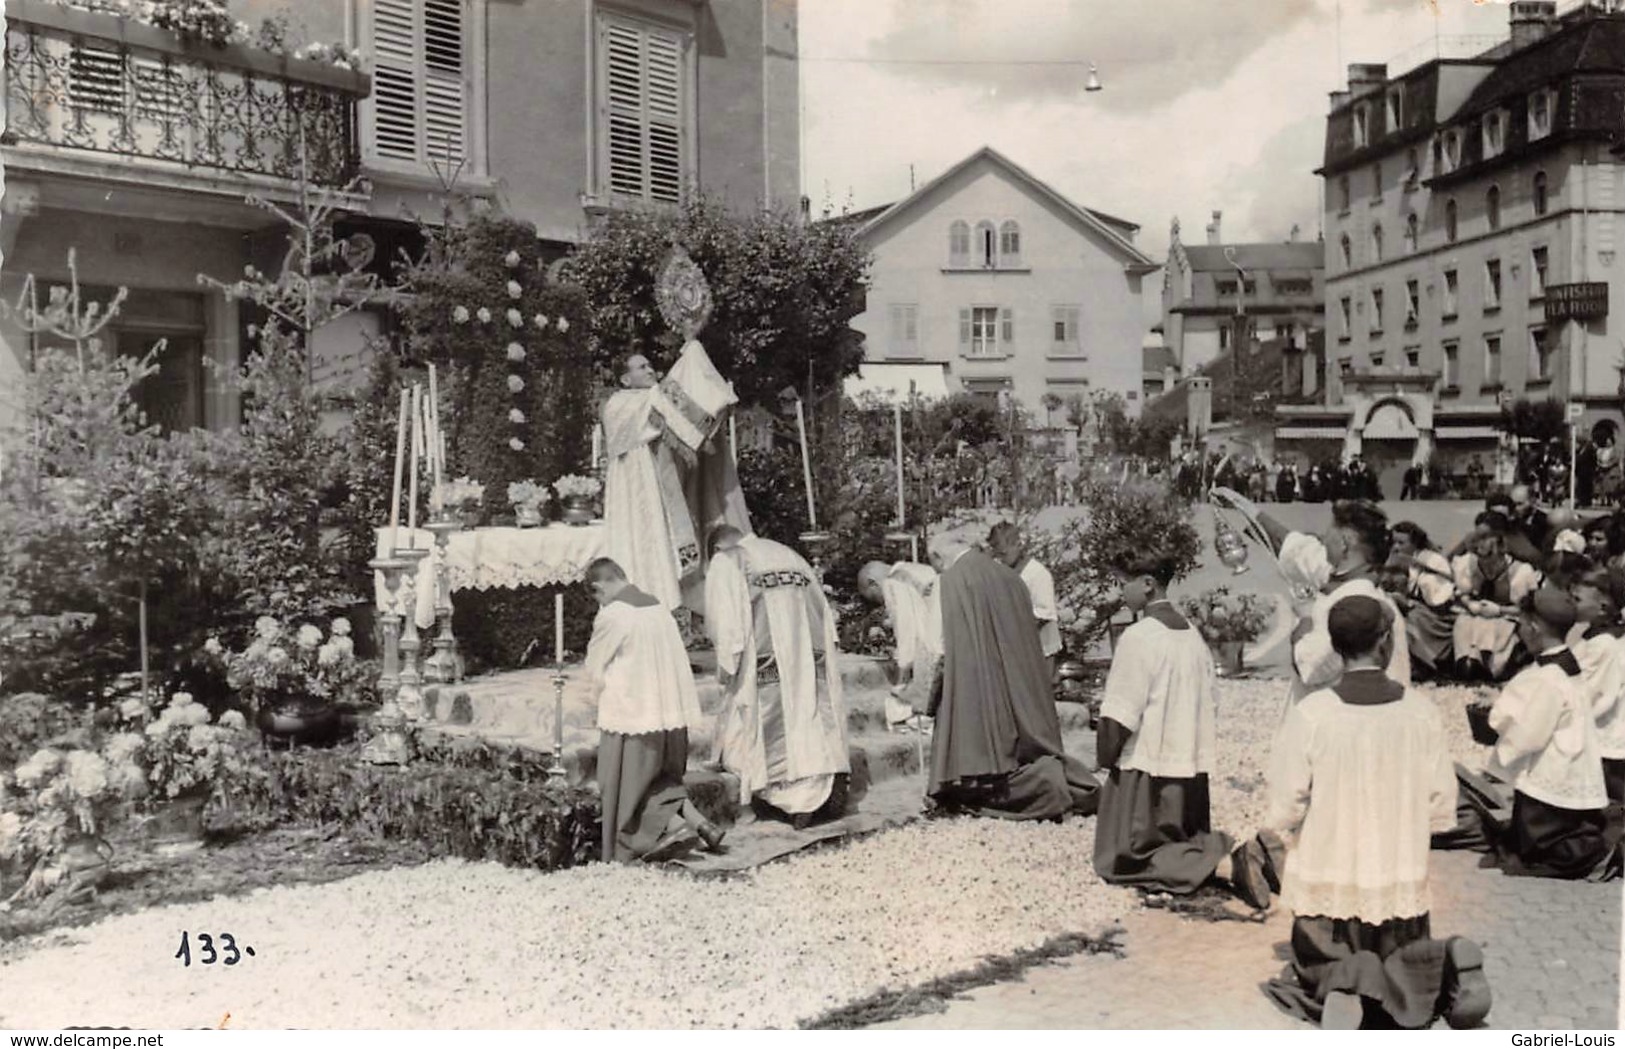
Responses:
[1007,325]
[896,325]
[642,82]
[964,328]
[419,80]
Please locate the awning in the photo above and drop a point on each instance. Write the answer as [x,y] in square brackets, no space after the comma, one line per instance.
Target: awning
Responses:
[1466,433]
[1304,433]
[898,381]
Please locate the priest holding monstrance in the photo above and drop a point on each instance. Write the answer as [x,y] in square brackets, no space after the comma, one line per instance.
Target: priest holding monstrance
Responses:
[669,480]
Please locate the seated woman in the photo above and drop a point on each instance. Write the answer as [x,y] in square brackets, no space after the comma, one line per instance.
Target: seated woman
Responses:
[1491,584]
[1427,599]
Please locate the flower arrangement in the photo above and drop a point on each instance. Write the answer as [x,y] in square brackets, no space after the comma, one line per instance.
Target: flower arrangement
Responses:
[574,486]
[1222,617]
[61,792]
[528,493]
[464,491]
[277,668]
[187,754]
[336,55]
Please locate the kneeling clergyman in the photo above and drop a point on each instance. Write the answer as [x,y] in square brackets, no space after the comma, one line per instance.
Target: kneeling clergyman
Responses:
[782,729]
[908,593]
[646,704]
[1360,775]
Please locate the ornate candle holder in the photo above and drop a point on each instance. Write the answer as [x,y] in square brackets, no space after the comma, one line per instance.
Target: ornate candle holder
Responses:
[444,666]
[391,745]
[815,542]
[410,694]
[555,772]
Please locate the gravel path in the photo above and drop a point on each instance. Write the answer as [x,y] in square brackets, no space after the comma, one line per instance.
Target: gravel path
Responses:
[458,945]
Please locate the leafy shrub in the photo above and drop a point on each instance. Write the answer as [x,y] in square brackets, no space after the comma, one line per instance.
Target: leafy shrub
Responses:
[494,627]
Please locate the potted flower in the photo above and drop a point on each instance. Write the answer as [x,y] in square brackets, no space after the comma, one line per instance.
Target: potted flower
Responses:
[465,494]
[190,760]
[292,680]
[578,494]
[1227,622]
[527,498]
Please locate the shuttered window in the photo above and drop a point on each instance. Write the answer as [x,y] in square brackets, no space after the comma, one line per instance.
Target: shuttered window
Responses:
[420,88]
[643,118]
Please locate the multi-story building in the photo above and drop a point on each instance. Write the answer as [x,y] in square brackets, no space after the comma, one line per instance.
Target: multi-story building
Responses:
[1279,287]
[987,280]
[137,147]
[1472,210]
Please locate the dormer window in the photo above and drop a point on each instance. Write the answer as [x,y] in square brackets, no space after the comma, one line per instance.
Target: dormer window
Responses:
[1413,168]
[1542,110]
[1396,108]
[1449,151]
[1494,126]
[1362,127]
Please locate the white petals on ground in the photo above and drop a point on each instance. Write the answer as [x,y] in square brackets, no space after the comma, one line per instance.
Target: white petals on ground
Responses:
[457,945]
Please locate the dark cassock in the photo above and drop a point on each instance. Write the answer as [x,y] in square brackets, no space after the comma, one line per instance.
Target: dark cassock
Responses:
[996,747]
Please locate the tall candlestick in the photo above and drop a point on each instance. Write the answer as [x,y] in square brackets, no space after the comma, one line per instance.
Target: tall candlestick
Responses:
[597,444]
[806,467]
[899,429]
[558,628]
[435,443]
[733,436]
[395,499]
[417,448]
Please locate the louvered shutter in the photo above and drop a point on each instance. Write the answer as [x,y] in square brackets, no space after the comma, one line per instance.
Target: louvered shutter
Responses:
[964,328]
[642,89]
[419,88]
[1007,325]
[896,326]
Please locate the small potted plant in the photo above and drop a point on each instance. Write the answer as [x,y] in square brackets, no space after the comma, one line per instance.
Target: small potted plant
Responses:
[190,760]
[578,494]
[527,498]
[465,495]
[1227,622]
[291,680]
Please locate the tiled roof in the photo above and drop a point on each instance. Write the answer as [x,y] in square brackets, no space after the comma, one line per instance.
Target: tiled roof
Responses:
[1305,255]
[1157,358]
[1593,45]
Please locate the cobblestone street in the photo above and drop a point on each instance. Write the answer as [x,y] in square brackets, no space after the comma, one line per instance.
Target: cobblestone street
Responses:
[1551,953]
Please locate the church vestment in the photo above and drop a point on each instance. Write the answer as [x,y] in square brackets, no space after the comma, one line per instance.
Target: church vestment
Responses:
[1601,655]
[1154,827]
[996,749]
[782,729]
[1360,775]
[647,702]
[909,591]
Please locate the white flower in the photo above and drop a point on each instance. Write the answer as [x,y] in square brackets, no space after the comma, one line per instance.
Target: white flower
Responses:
[341,627]
[11,826]
[514,290]
[309,636]
[41,765]
[484,315]
[515,318]
[196,714]
[133,709]
[88,773]
[346,645]
[181,699]
[516,416]
[540,320]
[200,738]
[212,646]
[233,720]
[511,260]
[460,315]
[516,352]
[328,654]
[268,628]
[277,656]
[515,384]
[516,444]
[564,325]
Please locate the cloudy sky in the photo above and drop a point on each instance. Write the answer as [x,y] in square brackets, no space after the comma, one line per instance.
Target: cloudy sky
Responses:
[1208,104]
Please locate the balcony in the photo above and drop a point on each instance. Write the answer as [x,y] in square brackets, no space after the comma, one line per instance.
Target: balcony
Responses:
[83,87]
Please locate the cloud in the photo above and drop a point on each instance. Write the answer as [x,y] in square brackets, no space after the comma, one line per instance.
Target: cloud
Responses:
[1276,189]
[1148,55]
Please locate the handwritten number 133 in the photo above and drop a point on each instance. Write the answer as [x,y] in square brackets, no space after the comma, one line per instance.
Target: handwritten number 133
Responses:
[207,955]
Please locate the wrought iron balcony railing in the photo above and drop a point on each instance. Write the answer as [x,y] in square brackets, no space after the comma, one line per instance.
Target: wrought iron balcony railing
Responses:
[94,83]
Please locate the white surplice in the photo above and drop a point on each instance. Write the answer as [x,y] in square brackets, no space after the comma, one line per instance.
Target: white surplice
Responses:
[1356,791]
[1602,664]
[766,610]
[645,534]
[1041,585]
[1161,688]
[639,670]
[914,607]
[1548,738]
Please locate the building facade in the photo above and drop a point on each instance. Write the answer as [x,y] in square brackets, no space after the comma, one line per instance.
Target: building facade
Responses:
[988,281]
[1280,288]
[1472,224]
[137,149]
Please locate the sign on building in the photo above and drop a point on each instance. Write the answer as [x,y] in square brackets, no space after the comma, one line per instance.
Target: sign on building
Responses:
[1576,302]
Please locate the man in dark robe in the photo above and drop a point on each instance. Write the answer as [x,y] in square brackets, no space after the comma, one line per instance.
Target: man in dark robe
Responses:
[996,747]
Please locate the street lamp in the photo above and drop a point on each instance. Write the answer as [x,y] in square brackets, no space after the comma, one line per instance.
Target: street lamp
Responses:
[1093,83]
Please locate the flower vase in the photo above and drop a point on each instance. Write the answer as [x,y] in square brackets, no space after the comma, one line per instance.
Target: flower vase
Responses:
[1231,657]
[300,719]
[577,510]
[529,515]
[177,824]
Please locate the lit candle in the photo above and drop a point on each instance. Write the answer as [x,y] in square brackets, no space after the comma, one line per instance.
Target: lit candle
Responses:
[417,450]
[899,429]
[400,462]
[558,628]
[806,467]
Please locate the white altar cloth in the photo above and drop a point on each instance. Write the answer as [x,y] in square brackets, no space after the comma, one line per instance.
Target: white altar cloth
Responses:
[495,558]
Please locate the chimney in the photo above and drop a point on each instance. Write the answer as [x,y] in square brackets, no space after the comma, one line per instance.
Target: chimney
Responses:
[1213,228]
[1532,20]
[1366,77]
[1338,99]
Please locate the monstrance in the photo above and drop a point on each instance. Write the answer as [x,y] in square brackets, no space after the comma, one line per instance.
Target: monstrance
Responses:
[682,294]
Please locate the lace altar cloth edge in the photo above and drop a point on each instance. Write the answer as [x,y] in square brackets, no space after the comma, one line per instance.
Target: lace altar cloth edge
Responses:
[500,558]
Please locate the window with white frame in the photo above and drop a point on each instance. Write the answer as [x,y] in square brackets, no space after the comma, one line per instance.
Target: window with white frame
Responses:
[1450,226]
[1542,110]
[1347,248]
[1411,229]
[1064,330]
[1344,193]
[1492,284]
[1413,167]
[1540,355]
[1492,207]
[905,330]
[422,82]
[1413,356]
[1376,243]
[1537,273]
[959,243]
[1376,182]
[1494,128]
[1009,243]
[1396,107]
[1362,127]
[1448,307]
[986,245]
[1377,360]
[645,120]
[1450,151]
[1540,192]
[1413,302]
[1345,313]
[980,329]
[1492,360]
[1452,364]
[1376,311]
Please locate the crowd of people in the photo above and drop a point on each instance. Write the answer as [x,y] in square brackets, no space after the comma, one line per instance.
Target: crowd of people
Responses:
[1283,481]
